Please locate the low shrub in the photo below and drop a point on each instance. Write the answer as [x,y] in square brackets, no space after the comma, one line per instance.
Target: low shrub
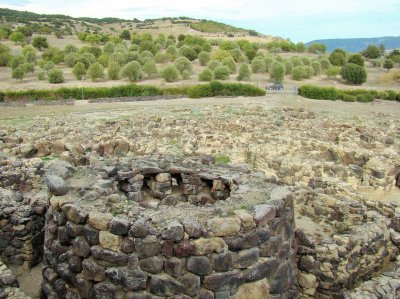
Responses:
[133,90]
[347,95]
[216,88]
[319,93]
[354,73]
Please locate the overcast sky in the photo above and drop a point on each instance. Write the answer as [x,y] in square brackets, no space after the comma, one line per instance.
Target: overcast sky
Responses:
[298,20]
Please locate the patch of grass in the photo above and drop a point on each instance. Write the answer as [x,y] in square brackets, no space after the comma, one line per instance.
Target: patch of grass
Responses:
[222,159]
[175,148]
[48,158]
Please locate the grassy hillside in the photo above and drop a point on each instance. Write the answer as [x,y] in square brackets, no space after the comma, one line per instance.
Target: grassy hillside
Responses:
[359,44]
[46,23]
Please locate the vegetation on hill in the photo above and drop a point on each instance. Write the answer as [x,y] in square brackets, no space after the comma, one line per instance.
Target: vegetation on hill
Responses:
[214,27]
[11,15]
[211,89]
[347,95]
[129,55]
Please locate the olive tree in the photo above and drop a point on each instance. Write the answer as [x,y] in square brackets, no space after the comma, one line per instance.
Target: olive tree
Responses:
[221,72]
[244,73]
[183,64]
[18,73]
[356,59]
[206,75]
[96,71]
[388,64]
[113,70]
[40,42]
[170,73]
[277,71]
[258,66]
[338,57]
[150,69]
[204,58]
[79,70]
[132,71]
[55,76]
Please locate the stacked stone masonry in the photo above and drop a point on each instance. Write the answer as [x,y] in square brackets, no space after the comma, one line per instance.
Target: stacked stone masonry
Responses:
[9,286]
[362,242]
[22,210]
[226,234]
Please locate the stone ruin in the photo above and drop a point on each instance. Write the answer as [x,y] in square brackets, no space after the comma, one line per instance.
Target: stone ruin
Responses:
[147,227]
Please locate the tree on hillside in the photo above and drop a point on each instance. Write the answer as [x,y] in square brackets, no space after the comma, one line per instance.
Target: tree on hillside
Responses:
[96,71]
[70,59]
[30,54]
[258,66]
[372,52]
[56,76]
[150,69]
[204,58]
[332,71]
[17,37]
[48,66]
[5,55]
[132,71]
[183,64]
[206,75]
[18,73]
[354,73]
[188,52]
[338,57]
[109,48]
[125,34]
[170,73]
[16,61]
[113,70]
[300,47]
[317,48]
[244,73]
[388,64]
[40,42]
[70,49]
[230,63]
[28,68]
[221,72]
[79,70]
[356,59]
[316,65]
[288,67]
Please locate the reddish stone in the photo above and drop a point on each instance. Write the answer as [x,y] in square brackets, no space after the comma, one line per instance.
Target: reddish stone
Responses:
[168,248]
[184,248]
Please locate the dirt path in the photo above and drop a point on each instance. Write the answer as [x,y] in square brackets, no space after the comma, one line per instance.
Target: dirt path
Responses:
[336,108]
[30,282]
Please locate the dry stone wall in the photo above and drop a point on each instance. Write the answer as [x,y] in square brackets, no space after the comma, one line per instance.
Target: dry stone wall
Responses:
[361,244]
[9,286]
[22,209]
[187,230]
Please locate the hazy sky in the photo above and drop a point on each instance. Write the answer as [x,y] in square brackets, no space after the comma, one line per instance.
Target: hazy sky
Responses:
[298,20]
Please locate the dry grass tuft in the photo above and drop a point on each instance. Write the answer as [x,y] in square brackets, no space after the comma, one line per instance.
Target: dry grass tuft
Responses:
[392,76]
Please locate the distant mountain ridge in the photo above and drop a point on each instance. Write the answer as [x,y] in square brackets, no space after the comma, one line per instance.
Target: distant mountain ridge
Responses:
[359,44]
